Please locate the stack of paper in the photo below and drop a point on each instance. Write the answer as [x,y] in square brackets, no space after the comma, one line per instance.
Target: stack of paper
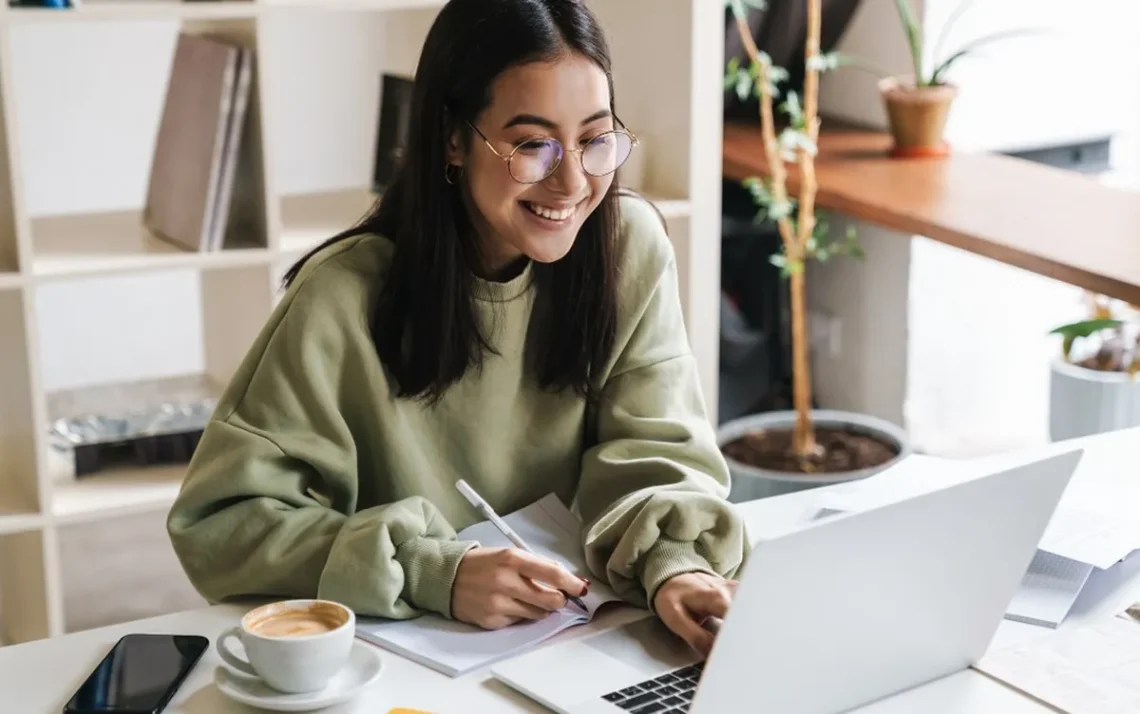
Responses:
[1091,530]
[1091,669]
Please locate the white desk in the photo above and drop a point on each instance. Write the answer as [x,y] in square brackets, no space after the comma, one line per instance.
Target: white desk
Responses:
[38,677]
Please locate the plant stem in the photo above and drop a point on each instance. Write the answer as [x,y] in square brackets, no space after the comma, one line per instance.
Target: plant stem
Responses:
[803,441]
[768,128]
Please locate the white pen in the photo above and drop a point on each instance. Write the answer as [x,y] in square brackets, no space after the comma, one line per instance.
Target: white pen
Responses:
[489,513]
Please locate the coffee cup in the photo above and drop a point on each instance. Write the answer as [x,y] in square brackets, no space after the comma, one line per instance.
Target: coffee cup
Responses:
[294,646]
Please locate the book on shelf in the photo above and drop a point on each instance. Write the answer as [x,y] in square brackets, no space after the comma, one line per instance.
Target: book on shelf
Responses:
[193,196]
[392,130]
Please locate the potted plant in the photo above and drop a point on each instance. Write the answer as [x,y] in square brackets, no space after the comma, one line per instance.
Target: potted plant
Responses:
[918,104]
[782,451]
[1093,386]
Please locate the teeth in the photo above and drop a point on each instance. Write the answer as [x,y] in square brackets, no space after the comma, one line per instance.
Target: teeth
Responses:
[550,213]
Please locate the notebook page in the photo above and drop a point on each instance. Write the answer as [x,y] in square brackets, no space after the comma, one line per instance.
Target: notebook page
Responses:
[454,647]
[1048,590]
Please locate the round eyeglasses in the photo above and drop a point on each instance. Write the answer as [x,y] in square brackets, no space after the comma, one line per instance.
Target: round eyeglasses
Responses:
[535,160]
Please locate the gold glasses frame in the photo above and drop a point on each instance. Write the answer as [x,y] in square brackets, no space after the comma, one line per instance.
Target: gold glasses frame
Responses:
[580,151]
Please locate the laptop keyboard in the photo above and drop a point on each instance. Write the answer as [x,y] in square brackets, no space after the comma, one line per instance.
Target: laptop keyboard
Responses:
[668,694]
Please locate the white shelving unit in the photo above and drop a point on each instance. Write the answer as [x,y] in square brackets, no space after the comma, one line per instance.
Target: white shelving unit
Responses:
[667,58]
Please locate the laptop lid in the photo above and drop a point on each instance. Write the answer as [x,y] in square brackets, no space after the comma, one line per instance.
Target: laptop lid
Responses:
[863,605]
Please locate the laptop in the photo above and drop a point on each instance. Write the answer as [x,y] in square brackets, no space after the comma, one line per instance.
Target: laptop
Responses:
[841,611]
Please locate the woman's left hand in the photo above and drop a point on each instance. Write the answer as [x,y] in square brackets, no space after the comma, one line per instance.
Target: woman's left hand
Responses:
[685,601]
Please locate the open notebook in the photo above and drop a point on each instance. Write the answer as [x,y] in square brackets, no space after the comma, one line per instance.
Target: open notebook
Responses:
[455,648]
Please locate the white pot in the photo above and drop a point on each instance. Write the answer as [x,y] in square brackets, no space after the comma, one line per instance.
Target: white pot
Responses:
[750,483]
[1087,401]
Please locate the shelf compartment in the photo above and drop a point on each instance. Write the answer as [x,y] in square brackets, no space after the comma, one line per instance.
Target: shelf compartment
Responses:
[95,11]
[117,242]
[307,220]
[118,492]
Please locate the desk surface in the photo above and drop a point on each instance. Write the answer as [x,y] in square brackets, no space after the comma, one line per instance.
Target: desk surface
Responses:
[1046,220]
[38,677]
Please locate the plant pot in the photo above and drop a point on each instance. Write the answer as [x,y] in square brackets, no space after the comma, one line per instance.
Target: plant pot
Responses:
[917,116]
[1086,401]
[750,482]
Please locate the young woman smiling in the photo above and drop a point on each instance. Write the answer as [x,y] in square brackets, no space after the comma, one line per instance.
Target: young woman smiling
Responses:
[506,316]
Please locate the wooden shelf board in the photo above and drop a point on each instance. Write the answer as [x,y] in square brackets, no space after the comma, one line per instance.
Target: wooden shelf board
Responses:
[94,11]
[115,493]
[14,522]
[1061,224]
[350,5]
[10,280]
[309,219]
[116,242]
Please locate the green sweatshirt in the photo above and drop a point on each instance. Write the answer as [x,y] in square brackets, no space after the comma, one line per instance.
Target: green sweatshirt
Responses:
[313,480]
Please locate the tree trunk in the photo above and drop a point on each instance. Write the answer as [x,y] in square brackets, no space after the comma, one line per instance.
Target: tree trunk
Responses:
[803,440]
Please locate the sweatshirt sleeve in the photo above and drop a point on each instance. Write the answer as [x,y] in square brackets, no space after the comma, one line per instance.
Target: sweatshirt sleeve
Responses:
[654,486]
[269,506]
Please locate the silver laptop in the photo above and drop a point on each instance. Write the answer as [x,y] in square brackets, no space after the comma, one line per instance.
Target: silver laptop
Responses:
[840,612]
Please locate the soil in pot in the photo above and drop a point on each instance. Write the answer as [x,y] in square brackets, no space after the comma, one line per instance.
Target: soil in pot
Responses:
[840,450]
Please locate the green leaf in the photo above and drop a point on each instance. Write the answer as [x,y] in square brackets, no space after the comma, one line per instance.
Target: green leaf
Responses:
[779,209]
[969,48]
[950,21]
[1085,328]
[795,111]
[743,86]
[913,36]
[793,141]
[823,62]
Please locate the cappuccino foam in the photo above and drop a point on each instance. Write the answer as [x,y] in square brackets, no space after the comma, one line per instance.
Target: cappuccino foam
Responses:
[298,622]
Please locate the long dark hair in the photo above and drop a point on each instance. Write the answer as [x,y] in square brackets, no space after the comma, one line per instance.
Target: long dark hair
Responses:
[424,325]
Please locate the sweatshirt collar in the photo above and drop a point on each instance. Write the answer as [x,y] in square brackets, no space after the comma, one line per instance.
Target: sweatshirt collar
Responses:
[493,291]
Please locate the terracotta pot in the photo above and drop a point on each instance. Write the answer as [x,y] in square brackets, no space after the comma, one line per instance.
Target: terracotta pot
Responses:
[917,116]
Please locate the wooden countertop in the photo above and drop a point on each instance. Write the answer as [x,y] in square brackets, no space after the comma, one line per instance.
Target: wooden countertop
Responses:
[1046,220]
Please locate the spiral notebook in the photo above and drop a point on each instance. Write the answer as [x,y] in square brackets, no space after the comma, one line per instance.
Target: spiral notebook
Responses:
[455,648]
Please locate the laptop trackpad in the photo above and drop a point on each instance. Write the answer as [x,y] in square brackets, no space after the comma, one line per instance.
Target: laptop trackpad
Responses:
[646,645]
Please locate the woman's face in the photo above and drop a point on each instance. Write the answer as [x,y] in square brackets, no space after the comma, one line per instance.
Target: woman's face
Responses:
[568,100]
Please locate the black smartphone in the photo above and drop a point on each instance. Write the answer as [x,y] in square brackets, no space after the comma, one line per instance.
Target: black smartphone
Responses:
[139,675]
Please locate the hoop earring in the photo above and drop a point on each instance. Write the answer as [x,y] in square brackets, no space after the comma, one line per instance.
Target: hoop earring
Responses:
[448,176]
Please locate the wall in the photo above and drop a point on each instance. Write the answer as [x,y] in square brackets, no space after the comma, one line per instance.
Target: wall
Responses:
[979,352]
[952,345]
[87,127]
[860,308]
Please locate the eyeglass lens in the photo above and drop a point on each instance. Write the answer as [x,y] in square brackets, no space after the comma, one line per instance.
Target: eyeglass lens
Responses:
[534,160]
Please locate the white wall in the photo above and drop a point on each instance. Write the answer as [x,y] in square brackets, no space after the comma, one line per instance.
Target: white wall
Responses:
[89,99]
[979,350]
[952,345]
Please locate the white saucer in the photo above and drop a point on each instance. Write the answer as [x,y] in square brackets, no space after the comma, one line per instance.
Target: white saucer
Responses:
[363,669]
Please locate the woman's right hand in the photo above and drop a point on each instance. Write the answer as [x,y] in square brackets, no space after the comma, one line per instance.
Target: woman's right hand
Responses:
[497,587]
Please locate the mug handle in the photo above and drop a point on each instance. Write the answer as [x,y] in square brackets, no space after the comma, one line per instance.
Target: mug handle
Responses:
[229,657]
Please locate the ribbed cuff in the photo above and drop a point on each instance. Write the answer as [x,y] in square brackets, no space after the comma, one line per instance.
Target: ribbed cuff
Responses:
[429,571]
[667,558]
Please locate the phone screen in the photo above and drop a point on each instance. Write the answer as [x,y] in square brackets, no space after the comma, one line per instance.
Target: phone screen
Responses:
[139,675]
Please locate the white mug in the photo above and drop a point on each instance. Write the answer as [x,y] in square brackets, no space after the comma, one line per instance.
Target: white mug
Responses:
[294,646]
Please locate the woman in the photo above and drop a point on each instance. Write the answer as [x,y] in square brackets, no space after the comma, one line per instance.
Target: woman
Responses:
[504,317]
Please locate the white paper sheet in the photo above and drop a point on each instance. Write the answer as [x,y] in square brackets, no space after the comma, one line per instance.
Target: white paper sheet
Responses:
[455,648]
[1048,590]
[1090,669]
